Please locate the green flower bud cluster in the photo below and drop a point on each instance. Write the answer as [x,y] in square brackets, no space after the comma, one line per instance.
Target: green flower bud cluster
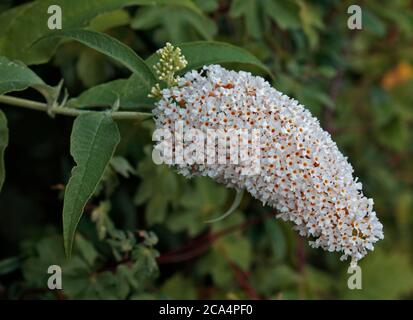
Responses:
[171,60]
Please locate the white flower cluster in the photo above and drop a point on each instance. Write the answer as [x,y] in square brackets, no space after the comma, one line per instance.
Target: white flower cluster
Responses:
[303,174]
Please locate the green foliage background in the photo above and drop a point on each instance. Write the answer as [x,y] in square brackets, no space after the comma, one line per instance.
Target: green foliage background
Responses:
[143,233]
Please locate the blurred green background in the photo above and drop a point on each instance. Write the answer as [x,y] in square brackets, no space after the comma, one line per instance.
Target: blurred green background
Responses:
[143,235]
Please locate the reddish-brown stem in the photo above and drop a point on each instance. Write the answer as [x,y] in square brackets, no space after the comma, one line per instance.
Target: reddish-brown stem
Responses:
[201,244]
[242,278]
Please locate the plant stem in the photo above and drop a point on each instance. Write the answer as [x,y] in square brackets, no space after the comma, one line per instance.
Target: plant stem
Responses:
[39,106]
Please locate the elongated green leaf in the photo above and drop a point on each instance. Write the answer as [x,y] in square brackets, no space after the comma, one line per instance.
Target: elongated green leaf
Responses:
[201,53]
[15,76]
[93,143]
[110,47]
[21,26]
[110,20]
[102,95]
[132,93]
[4,140]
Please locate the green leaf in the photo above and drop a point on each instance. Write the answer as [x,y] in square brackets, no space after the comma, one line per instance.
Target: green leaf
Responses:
[15,76]
[249,9]
[93,68]
[284,13]
[254,12]
[373,23]
[86,250]
[131,92]
[236,246]
[276,238]
[7,18]
[189,4]
[110,47]
[198,201]
[179,287]
[178,23]
[156,209]
[394,134]
[207,5]
[109,20]
[93,143]
[201,53]
[317,281]
[104,94]
[311,19]
[237,249]
[16,38]
[4,140]
[122,166]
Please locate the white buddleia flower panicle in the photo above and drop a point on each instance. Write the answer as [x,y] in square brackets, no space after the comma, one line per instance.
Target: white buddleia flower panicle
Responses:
[302,173]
